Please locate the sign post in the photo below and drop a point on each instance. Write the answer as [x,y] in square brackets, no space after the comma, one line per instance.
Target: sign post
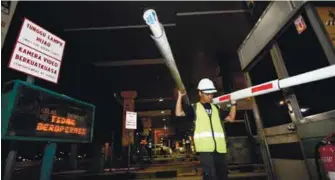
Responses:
[10,160]
[128,162]
[47,161]
[128,105]
[127,134]
[13,148]
[131,123]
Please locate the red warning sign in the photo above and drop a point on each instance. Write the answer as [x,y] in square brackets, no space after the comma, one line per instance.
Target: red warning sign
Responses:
[300,24]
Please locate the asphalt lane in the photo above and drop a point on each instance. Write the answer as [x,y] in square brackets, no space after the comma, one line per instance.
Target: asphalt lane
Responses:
[184,171]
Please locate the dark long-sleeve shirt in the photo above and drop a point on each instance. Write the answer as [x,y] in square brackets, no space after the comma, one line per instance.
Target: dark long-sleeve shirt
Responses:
[190,114]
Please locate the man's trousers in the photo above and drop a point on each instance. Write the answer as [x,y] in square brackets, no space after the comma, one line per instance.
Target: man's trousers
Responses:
[214,165]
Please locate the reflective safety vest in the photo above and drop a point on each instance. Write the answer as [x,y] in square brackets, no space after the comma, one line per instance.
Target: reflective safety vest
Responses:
[208,133]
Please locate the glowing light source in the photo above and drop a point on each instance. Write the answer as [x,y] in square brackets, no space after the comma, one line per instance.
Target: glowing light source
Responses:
[304,110]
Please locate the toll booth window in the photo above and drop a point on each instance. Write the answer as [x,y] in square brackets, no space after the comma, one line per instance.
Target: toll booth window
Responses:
[302,53]
[272,112]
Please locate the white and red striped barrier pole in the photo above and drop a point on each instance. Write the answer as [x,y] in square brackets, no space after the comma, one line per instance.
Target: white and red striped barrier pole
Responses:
[276,85]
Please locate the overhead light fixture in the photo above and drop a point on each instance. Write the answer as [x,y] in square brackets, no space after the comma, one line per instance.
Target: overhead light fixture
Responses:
[304,110]
[162,112]
[161,99]
[281,102]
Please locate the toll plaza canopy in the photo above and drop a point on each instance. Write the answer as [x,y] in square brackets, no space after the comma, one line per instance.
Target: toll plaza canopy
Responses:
[109,48]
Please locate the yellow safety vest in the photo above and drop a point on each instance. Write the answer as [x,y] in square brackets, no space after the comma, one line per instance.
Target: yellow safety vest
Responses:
[208,132]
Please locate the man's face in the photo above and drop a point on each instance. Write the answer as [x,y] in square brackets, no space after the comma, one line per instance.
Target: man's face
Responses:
[206,97]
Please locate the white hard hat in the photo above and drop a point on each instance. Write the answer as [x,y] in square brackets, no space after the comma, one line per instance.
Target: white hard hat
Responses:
[207,86]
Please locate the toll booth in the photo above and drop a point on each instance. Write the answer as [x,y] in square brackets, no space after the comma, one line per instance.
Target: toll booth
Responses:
[290,38]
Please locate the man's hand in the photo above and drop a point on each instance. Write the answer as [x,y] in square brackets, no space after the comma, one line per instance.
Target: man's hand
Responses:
[232,113]
[181,93]
[233,102]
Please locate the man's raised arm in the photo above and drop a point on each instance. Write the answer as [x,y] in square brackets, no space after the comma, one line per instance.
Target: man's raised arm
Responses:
[179,109]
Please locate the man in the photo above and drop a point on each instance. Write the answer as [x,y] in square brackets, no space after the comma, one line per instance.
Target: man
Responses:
[209,136]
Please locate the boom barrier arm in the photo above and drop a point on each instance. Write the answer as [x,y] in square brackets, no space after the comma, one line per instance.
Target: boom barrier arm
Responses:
[162,43]
[276,85]
[159,36]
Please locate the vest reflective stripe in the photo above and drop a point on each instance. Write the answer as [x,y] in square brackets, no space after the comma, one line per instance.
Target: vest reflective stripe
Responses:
[219,135]
[208,134]
[203,135]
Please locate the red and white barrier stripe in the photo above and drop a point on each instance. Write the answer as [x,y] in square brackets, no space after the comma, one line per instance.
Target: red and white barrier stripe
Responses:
[276,85]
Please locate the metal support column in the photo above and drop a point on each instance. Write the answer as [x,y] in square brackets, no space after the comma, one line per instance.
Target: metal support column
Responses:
[262,139]
[47,161]
[290,97]
[129,145]
[73,156]
[11,160]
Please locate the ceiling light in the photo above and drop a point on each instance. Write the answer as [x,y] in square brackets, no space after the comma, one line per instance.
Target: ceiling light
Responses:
[304,110]
[281,102]
[161,99]
[162,112]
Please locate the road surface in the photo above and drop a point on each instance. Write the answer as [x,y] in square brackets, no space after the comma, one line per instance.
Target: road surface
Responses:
[183,171]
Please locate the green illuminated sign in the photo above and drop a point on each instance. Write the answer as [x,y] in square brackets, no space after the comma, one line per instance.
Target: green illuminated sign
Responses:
[32,113]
